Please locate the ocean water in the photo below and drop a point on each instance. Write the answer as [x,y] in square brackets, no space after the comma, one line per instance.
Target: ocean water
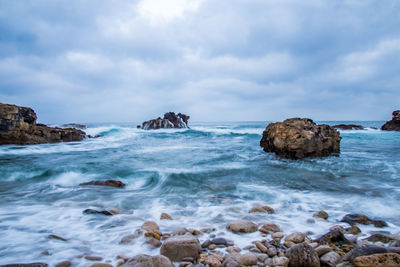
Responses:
[205,176]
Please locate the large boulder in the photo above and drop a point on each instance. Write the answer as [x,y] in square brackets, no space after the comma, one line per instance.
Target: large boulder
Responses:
[170,120]
[18,126]
[394,124]
[299,138]
[144,260]
[181,246]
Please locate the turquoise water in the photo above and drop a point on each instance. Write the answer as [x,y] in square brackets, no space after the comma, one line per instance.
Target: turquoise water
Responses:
[203,176]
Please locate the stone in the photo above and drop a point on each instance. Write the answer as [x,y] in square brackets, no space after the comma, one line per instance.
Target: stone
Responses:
[270,227]
[150,226]
[333,237]
[248,259]
[300,138]
[379,238]
[323,249]
[280,261]
[101,265]
[394,243]
[272,251]
[348,127]
[364,251]
[129,239]
[277,236]
[58,237]
[181,246]
[211,260]
[354,230]
[206,243]
[302,255]
[63,264]
[165,216]
[93,258]
[242,227]
[394,124]
[296,238]
[262,209]
[18,126]
[170,120]
[321,214]
[219,241]
[378,260]
[74,125]
[97,212]
[212,247]
[354,219]
[330,259]
[233,250]
[110,183]
[144,260]
[153,242]
[261,247]
[34,264]
[231,260]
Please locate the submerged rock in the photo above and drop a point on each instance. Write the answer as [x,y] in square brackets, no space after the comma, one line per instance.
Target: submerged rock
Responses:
[394,124]
[354,219]
[170,120]
[299,138]
[348,127]
[111,183]
[18,126]
[262,209]
[100,212]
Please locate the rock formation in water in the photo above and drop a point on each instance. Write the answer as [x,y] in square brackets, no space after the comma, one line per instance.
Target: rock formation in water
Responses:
[299,138]
[170,120]
[348,127]
[74,125]
[394,124]
[18,126]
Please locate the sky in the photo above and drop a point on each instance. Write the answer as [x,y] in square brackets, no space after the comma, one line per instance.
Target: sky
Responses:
[215,60]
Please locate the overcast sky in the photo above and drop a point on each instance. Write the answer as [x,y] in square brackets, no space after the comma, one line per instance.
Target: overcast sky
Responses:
[215,60]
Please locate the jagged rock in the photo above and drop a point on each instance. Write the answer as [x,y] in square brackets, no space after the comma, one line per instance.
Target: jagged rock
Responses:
[111,183]
[378,260]
[181,246]
[100,212]
[144,260]
[299,138]
[242,227]
[394,124]
[302,255]
[18,126]
[354,219]
[170,120]
[348,127]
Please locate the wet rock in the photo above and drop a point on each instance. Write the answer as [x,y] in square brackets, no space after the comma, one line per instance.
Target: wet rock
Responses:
[178,247]
[295,238]
[299,138]
[206,243]
[110,183]
[330,259]
[280,261]
[261,247]
[354,219]
[394,124]
[212,247]
[270,227]
[277,236]
[165,216]
[321,214]
[181,231]
[262,209]
[219,241]
[394,243]
[247,259]
[153,242]
[144,260]
[345,264]
[34,264]
[348,127]
[101,265]
[354,230]
[129,239]
[323,249]
[210,260]
[364,251]
[378,260]
[231,260]
[74,125]
[379,238]
[242,227]
[302,255]
[207,230]
[150,226]
[58,238]
[272,251]
[334,237]
[93,258]
[170,120]
[63,264]
[233,250]
[97,212]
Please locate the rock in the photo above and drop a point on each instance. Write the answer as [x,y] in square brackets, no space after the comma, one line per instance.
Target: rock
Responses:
[210,260]
[277,236]
[35,264]
[206,243]
[111,183]
[364,251]
[299,138]
[18,126]
[58,238]
[261,247]
[270,227]
[302,255]
[74,125]
[101,265]
[394,124]
[242,227]
[378,260]
[231,260]
[394,243]
[263,209]
[153,242]
[272,251]
[144,260]
[212,247]
[219,241]
[170,120]
[296,238]
[348,127]
[280,261]
[323,249]
[128,239]
[100,212]
[181,246]
[321,214]
[233,250]
[247,259]
[354,219]
[354,230]
[165,216]
[379,238]
[150,226]
[63,264]
[93,258]
[330,259]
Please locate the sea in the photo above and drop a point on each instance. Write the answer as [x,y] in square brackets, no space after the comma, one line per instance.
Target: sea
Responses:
[205,176]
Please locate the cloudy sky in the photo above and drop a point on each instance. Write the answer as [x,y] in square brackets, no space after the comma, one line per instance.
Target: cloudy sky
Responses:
[216,60]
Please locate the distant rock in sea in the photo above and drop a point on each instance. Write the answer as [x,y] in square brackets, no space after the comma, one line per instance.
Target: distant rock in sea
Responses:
[348,127]
[74,125]
[300,138]
[18,126]
[394,124]
[170,120]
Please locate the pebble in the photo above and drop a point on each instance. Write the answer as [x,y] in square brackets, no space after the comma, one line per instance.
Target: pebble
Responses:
[261,247]
[212,247]
[323,249]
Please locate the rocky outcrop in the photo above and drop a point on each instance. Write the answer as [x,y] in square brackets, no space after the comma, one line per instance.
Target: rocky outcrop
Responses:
[18,126]
[394,124]
[348,127]
[170,120]
[299,138]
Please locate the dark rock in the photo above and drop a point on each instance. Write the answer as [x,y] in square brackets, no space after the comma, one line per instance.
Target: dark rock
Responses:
[353,230]
[378,260]
[262,209]
[365,251]
[18,126]
[219,241]
[63,264]
[93,258]
[299,138]
[354,219]
[321,214]
[57,237]
[302,255]
[181,246]
[74,125]
[170,120]
[102,212]
[330,259]
[35,264]
[379,238]
[148,261]
[394,124]
[153,242]
[111,183]
[165,216]
[348,127]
